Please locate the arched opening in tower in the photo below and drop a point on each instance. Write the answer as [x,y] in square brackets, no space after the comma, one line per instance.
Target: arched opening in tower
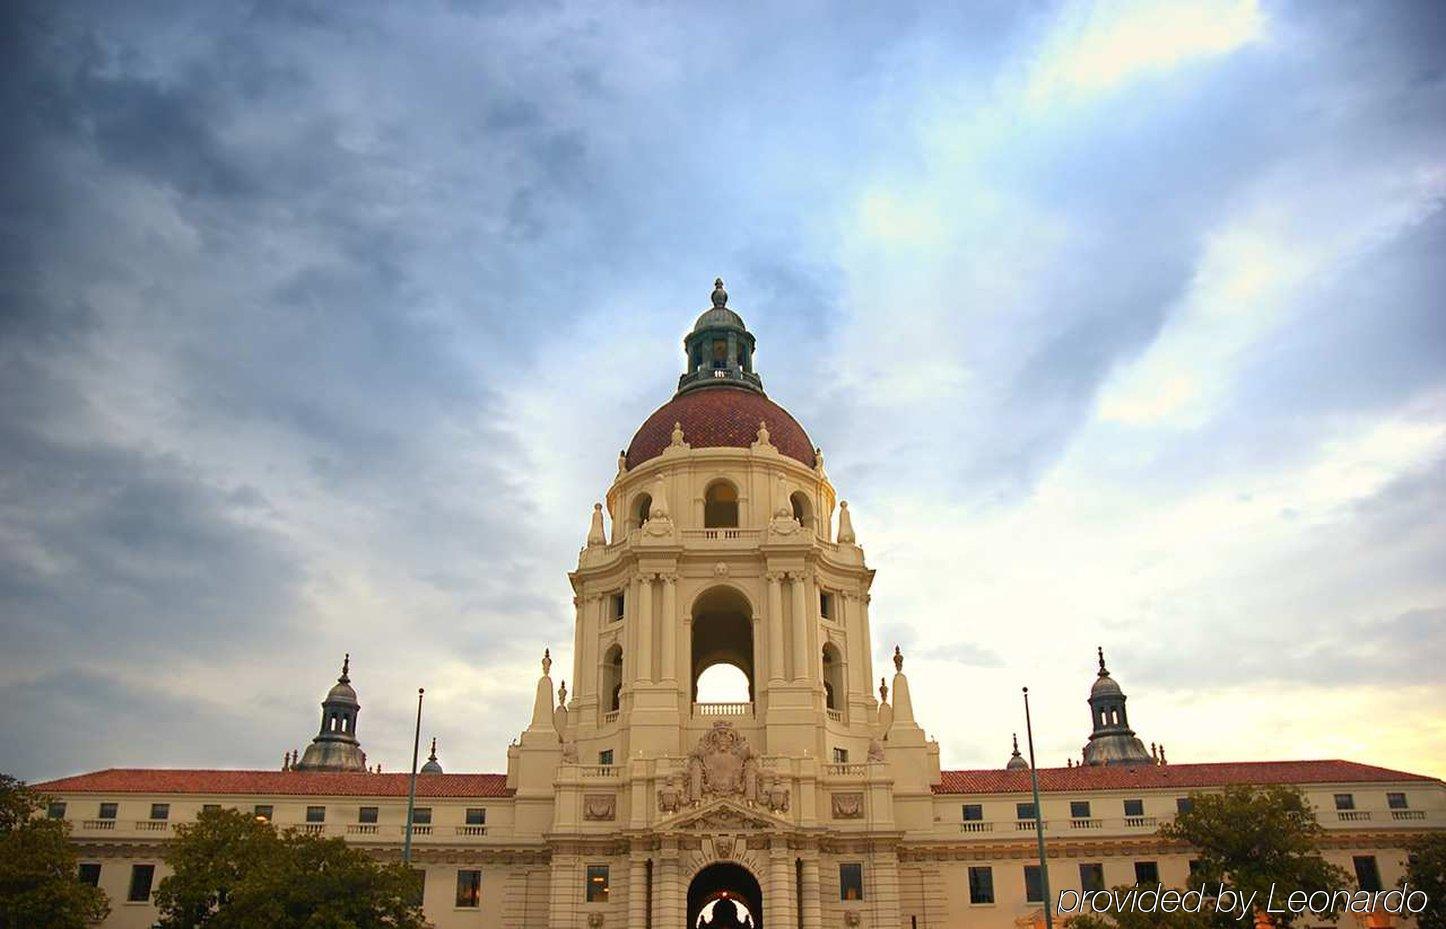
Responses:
[722,636]
[720,506]
[833,688]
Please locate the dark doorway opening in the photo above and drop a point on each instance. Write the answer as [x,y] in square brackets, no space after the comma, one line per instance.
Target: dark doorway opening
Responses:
[725,896]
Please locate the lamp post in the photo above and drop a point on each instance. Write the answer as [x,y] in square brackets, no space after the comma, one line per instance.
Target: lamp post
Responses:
[1038,815]
[412,787]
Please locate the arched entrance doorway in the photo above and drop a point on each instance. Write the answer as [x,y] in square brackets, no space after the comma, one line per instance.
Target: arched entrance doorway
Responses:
[725,896]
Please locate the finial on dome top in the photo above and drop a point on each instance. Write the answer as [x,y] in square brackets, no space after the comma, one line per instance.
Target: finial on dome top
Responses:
[345,670]
[898,660]
[433,755]
[1103,671]
[720,296]
[546,662]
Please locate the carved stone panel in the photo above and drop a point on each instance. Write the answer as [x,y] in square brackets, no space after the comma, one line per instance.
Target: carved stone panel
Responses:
[599,807]
[722,764]
[848,806]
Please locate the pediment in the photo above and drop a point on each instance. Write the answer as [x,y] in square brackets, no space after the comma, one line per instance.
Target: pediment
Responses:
[722,815]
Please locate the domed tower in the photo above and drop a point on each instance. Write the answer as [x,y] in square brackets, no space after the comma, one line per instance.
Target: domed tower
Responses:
[719,349]
[1113,741]
[1016,761]
[335,747]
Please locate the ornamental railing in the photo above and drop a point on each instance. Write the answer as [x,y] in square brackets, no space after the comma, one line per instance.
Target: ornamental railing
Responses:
[723,709]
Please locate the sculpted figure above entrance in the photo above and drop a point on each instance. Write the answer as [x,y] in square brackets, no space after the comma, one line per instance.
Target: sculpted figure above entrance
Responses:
[722,764]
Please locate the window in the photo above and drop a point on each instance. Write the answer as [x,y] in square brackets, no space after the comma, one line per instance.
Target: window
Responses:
[1368,875]
[720,506]
[1396,801]
[469,889]
[1134,808]
[141,877]
[644,508]
[620,606]
[605,757]
[89,873]
[973,812]
[597,883]
[840,755]
[477,816]
[210,808]
[316,814]
[160,811]
[55,811]
[825,605]
[851,881]
[367,814]
[1024,811]
[981,885]
[1184,804]
[1196,865]
[1079,809]
[422,816]
[1147,872]
[1092,877]
[108,810]
[1345,801]
[419,886]
[1033,884]
[264,811]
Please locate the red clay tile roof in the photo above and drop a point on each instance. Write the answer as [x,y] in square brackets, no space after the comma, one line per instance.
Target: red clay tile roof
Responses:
[1181,776]
[715,417]
[277,783]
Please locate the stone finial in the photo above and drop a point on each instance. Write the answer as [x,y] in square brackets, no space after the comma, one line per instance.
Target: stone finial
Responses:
[562,694]
[818,459]
[764,438]
[433,755]
[1163,759]
[1154,753]
[345,670]
[898,660]
[546,662]
[659,506]
[1103,671]
[720,296]
[845,524]
[595,533]
[622,460]
[1069,762]
[677,440]
[883,691]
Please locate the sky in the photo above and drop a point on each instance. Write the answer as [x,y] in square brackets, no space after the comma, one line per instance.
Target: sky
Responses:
[1119,324]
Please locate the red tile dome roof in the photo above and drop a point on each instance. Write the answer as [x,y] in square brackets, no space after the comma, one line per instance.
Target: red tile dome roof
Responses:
[720,417]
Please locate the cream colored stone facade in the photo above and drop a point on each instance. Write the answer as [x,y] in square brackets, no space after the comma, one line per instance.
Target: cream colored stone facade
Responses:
[810,777]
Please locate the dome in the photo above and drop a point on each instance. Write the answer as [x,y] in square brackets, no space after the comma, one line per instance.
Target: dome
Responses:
[1105,686]
[720,417]
[719,317]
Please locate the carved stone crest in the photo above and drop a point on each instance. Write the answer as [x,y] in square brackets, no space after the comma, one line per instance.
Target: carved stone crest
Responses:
[599,807]
[595,920]
[848,806]
[722,765]
[774,795]
[670,795]
[852,918]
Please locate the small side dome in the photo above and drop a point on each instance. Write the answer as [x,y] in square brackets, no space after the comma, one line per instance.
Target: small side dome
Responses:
[1016,760]
[718,316]
[432,766]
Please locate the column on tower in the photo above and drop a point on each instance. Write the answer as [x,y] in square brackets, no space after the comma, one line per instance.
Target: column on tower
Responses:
[669,643]
[776,670]
[637,889]
[645,628]
[778,907]
[800,625]
[669,891]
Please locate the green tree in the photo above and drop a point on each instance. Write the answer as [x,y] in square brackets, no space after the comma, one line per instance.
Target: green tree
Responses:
[1140,918]
[1426,870]
[232,871]
[38,885]
[1253,838]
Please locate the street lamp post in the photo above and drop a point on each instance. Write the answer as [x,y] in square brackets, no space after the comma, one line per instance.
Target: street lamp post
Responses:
[412,787]
[1038,814]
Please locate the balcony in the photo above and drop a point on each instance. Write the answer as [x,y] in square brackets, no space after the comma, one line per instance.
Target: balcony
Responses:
[845,769]
[1084,824]
[312,828]
[471,830]
[610,717]
[835,715]
[361,829]
[1408,814]
[153,825]
[723,537]
[723,709]
[1354,816]
[97,824]
[975,825]
[1141,822]
[597,770]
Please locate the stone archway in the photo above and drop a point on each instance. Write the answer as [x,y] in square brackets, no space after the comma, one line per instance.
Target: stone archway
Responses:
[725,881]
